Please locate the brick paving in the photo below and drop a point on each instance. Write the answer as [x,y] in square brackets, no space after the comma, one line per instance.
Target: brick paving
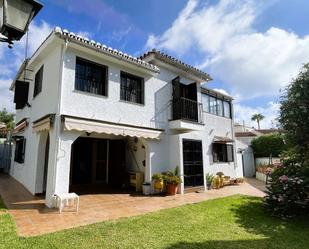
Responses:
[32,217]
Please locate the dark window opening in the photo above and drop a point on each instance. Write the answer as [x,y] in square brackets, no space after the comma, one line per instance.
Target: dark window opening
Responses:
[90,77]
[38,81]
[222,152]
[20,150]
[131,88]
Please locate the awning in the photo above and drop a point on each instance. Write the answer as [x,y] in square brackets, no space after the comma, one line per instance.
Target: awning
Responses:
[218,139]
[20,126]
[110,128]
[43,124]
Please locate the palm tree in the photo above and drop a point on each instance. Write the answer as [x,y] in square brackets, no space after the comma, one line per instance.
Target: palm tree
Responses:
[257,117]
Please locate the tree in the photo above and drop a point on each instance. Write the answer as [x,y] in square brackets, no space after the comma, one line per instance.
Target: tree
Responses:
[7,118]
[288,190]
[294,112]
[268,146]
[257,117]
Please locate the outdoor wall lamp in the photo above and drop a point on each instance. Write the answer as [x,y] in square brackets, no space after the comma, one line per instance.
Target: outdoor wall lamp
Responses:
[15,17]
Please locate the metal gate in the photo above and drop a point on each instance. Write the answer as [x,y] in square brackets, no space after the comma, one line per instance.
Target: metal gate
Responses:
[193,163]
[5,157]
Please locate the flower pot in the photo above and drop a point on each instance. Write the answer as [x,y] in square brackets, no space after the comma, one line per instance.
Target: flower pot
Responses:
[158,185]
[146,188]
[209,186]
[171,189]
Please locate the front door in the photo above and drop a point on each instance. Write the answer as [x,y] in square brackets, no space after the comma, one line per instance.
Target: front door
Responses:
[193,163]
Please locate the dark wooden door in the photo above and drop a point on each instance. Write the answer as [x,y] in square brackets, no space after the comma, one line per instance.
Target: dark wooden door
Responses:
[116,163]
[46,158]
[193,163]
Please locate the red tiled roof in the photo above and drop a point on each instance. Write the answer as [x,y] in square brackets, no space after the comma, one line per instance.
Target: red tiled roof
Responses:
[245,134]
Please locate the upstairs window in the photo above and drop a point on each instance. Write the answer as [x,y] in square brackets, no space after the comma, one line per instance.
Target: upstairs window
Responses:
[216,106]
[227,109]
[212,105]
[222,152]
[20,148]
[131,88]
[90,77]
[38,81]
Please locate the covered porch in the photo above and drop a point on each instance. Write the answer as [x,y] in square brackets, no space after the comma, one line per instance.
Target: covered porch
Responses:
[96,157]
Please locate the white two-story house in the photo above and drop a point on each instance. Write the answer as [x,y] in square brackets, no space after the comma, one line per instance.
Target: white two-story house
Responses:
[88,114]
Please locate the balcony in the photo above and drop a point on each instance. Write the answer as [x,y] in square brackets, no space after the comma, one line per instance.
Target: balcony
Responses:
[186,114]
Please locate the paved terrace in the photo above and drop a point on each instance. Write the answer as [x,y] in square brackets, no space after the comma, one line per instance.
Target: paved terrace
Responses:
[32,217]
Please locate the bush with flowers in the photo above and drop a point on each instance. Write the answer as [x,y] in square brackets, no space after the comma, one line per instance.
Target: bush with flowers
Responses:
[287,192]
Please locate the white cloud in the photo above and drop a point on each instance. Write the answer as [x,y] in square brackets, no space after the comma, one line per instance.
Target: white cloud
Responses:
[6,96]
[251,63]
[270,112]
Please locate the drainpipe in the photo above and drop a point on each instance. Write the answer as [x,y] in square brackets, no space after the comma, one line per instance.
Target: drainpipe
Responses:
[57,117]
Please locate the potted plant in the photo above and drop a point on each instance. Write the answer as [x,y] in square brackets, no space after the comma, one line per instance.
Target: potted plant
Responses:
[172,180]
[216,182]
[221,178]
[146,188]
[209,179]
[157,179]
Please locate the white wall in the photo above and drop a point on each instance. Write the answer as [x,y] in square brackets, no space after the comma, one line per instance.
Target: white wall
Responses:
[44,103]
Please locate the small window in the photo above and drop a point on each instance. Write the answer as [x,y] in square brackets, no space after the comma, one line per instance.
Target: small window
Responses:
[227,109]
[20,150]
[132,88]
[90,77]
[222,152]
[38,81]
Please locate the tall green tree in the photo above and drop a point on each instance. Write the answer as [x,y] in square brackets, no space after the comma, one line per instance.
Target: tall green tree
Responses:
[294,111]
[288,189]
[257,117]
[7,118]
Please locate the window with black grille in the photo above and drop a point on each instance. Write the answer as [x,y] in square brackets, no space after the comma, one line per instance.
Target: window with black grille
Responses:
[90,77]
[222,152]
[20,148]
[38,81]
[131,88]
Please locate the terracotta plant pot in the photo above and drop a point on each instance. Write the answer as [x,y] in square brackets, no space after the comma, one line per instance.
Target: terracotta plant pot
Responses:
[171,189]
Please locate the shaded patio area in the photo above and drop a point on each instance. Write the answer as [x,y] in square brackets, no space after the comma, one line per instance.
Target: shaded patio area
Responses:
[33,218]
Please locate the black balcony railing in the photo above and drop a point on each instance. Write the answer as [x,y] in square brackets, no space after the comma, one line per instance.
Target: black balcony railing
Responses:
[187,109]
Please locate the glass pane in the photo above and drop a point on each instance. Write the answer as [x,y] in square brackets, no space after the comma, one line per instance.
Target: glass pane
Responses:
[17,13]
[220,107]
[212,105]
[227,109]
[205,101]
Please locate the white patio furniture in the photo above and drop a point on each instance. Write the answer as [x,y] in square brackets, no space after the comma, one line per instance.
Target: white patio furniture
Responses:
[65,199]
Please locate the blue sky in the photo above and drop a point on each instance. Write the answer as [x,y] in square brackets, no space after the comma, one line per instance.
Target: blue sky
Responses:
[252,49]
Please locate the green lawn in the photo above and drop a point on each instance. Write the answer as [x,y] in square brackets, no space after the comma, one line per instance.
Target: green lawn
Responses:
[233,222]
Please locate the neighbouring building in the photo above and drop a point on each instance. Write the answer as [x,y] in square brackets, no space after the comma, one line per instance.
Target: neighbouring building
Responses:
[245,156]
[88,114]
